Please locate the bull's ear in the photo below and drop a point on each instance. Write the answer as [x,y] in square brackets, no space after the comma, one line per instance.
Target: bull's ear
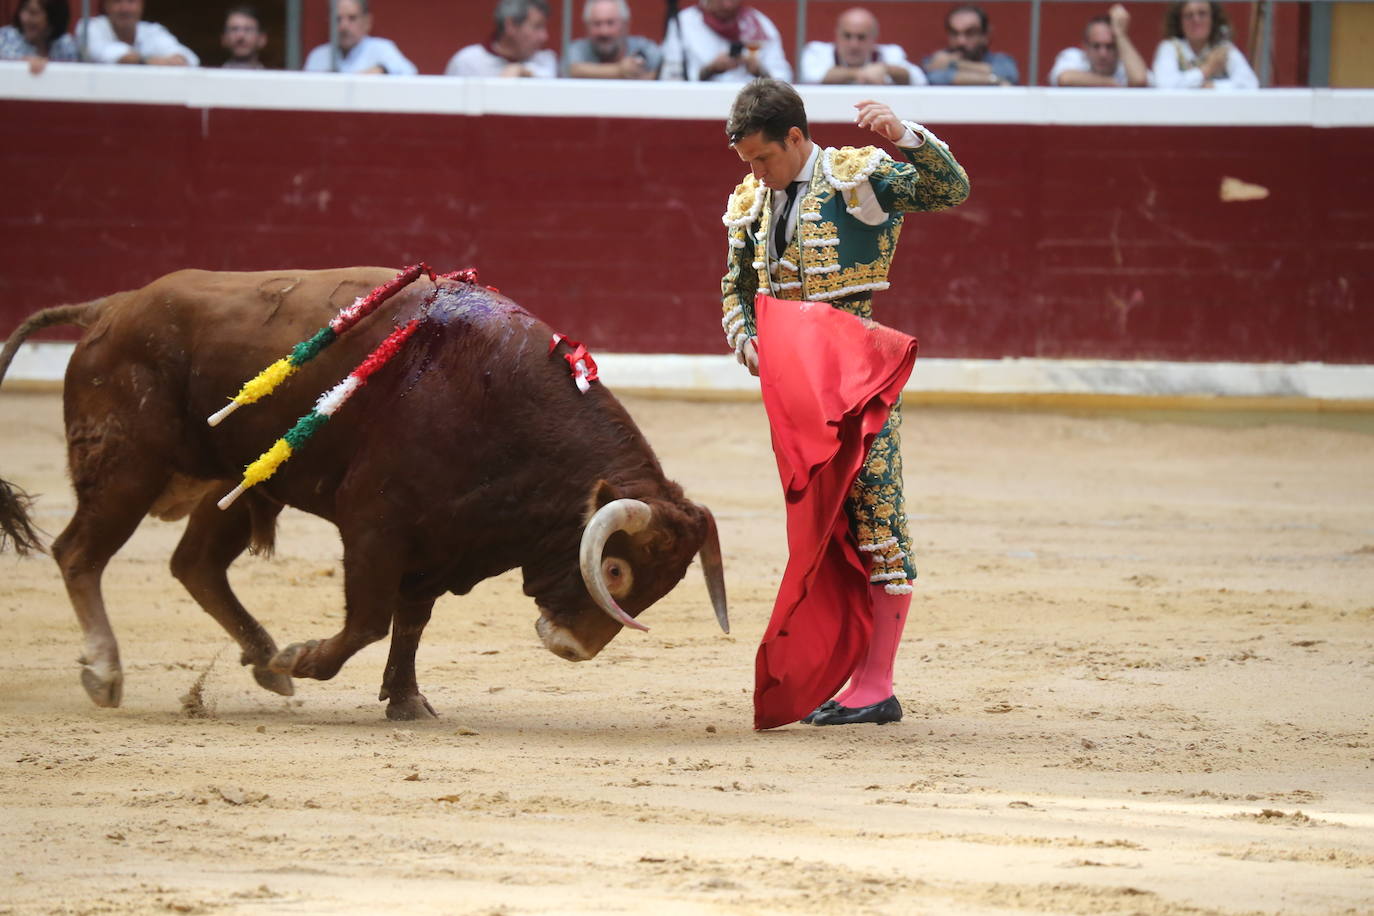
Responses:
[602,493]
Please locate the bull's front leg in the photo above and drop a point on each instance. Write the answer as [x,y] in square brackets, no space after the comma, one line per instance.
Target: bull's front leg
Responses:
[399,685]
[371,592]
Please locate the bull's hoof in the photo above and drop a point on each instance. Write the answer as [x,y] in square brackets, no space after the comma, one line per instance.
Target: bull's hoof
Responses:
[407,709]
[104,690]
[284,662]
[274,681]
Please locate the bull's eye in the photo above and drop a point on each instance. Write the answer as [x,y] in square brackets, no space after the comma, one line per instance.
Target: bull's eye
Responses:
[619,578]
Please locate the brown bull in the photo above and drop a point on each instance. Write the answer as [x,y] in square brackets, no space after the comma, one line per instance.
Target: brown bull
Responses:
[470,453]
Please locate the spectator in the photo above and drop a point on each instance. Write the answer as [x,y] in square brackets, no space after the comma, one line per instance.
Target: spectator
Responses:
[609,51]
[966,61]
[38,34]
[1197,53]
[243,38]
[359,51]
[856,57]
[516,47]
[1107,57]
[723,40]
[122,37]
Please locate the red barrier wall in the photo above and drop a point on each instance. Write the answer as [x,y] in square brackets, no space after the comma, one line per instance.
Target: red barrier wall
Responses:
[1102,241]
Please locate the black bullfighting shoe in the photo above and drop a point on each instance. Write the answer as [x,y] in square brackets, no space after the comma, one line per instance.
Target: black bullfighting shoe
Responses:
[888,710]
[810,718]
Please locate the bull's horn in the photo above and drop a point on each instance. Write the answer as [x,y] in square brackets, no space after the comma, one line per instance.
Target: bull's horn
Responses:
[628,515]
[714,570]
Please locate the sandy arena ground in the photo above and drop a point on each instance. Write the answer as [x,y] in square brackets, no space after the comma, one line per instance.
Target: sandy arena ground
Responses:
[1139,678]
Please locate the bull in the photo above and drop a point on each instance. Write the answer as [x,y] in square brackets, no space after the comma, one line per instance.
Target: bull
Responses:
[471,453]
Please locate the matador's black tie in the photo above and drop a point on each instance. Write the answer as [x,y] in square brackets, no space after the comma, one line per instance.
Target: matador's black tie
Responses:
[792,192]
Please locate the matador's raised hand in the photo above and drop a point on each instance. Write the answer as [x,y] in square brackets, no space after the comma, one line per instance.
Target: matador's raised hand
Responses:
[878,118]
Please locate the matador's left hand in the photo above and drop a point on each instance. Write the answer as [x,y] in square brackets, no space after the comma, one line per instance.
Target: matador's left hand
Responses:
[878,118]
[749,355]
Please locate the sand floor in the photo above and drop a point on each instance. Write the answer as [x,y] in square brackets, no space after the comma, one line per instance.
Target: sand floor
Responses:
[1139,678]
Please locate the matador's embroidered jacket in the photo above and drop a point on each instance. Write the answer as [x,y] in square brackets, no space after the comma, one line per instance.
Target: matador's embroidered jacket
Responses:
[848,222]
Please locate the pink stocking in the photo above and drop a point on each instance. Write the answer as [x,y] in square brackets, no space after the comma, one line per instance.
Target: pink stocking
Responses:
[871,682]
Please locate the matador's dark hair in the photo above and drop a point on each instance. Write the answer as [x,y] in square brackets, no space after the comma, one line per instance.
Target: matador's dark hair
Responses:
[766,105]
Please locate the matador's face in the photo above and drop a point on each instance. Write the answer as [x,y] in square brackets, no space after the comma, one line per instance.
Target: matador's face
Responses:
[775,163]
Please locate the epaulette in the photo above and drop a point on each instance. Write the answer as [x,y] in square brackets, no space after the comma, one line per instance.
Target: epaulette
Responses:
[744,204]
[846,167]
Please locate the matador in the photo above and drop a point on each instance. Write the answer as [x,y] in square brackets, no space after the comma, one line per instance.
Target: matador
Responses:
[820,225]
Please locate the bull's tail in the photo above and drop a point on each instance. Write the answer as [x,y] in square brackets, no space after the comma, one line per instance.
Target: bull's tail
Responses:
[82,315]
[15,526]
[14,520]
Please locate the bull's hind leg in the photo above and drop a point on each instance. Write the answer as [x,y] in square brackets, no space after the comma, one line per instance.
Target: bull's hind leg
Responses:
[104,520]
[213,540]
[399,686]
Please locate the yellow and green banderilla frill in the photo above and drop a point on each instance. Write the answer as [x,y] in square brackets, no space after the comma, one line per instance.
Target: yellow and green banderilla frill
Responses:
[266,381]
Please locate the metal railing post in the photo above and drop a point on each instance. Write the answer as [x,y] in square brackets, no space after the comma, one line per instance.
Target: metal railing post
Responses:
[293,35]
[334,35]
[1319,46]
[801,40]
[567,30]
[1033,74]
[1266,66]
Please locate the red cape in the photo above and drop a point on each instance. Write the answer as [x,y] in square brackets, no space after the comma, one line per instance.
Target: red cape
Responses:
[829,380]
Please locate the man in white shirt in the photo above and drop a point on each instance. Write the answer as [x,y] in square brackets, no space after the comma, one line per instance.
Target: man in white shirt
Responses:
[1107,57]
[122,37]
[856,57]
[725,41]
[517,47]
[359,51]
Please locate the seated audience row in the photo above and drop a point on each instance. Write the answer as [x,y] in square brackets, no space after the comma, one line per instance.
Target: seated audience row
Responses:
[722,40]
[120,36]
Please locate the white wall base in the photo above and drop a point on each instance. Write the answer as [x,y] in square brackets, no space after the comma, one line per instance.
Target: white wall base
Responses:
[1111,378]
[47,362]
[40,362]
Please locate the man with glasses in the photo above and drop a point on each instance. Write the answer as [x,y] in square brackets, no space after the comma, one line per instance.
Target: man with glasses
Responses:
[966,60]
[1107,57]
